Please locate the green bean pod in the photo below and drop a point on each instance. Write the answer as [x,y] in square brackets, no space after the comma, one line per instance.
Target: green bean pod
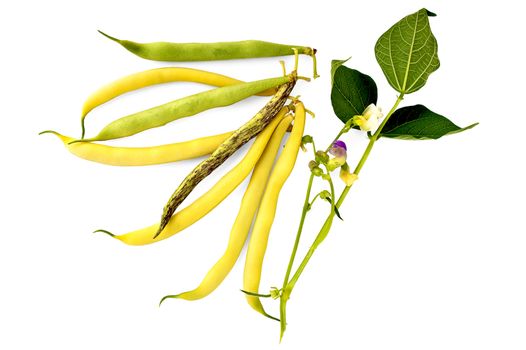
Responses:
[185,107]
[186,52]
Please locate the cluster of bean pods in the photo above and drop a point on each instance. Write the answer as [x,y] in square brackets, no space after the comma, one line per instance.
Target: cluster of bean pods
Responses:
[268,126]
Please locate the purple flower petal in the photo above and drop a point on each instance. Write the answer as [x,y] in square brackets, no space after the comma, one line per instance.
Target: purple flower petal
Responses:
[338,149]
[340,143]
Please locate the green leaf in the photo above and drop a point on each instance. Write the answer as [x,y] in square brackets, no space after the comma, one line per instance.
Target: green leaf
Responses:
[419,123]
[336,211]
[352,91]
[407,52]
[335,64]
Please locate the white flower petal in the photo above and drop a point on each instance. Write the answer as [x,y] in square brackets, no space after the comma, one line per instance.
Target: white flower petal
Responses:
[372,112]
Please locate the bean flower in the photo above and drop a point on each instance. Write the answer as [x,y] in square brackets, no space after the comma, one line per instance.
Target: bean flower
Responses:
[339,151]
[370,118]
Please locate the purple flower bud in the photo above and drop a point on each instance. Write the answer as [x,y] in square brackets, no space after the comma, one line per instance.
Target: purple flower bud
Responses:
[340,143]
[338,149]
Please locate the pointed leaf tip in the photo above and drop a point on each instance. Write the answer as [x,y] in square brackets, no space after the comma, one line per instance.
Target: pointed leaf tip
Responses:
[429,13]
[335,64]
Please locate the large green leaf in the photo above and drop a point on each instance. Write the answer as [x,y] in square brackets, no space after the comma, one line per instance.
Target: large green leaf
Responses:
[407,52]
[419,123]
[352,91]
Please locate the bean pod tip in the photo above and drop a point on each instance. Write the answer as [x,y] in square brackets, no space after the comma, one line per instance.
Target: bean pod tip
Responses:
[108,36]
[105,231]
[167,297]
[48,132]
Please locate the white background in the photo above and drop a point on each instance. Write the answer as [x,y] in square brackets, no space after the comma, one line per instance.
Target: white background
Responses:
[431,254]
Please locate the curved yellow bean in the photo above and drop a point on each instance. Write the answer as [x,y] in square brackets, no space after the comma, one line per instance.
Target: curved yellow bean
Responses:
[131,156]
[208,201]
[241,227]
[153,77]
[267,210]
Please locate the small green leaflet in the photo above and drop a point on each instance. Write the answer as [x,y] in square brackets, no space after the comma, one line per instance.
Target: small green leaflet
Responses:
[419,123]
[407,52]
[352,91]
[336,211]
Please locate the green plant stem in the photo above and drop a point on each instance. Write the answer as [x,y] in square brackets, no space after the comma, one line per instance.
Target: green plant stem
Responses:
[324,231]
[333,193]
[314,148]
[343,130]
[306,207]
[312,201]
[367,151]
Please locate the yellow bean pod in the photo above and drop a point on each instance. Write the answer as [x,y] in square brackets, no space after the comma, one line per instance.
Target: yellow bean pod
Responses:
[151,77]
[208,201]
[241,227]
[267,210]
[135,156]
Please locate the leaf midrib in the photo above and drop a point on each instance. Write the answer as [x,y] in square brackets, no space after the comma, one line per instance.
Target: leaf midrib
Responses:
[391,58]
[345,97]
[410,54]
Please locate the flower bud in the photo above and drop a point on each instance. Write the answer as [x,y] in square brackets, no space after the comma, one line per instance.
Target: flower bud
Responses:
[321,157]
[317,171]
[325,194]
[314,168]
[338,149]
[305,140]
